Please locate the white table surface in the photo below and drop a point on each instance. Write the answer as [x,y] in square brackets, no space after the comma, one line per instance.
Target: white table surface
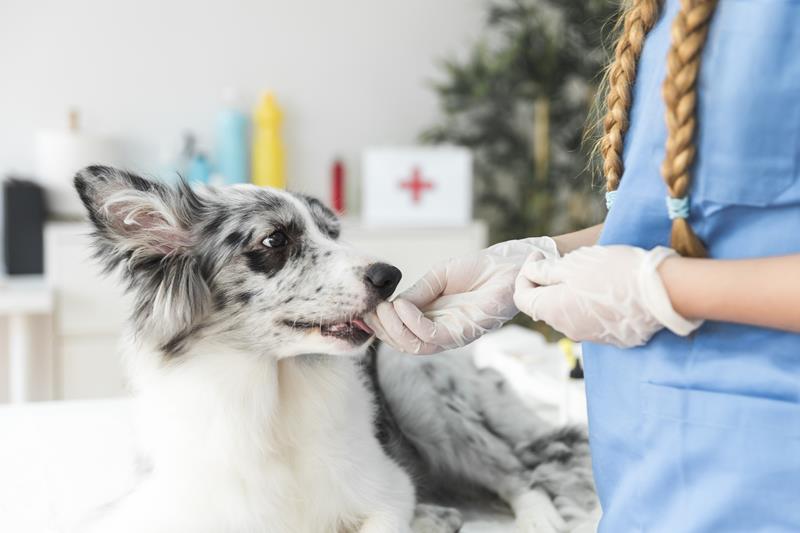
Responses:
[21,299]
[60,460]
[25,294]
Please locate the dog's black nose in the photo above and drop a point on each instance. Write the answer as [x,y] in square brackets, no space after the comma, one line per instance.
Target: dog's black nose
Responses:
[384,278]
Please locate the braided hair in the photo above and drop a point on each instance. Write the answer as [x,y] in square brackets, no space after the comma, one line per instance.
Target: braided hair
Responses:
[689,32]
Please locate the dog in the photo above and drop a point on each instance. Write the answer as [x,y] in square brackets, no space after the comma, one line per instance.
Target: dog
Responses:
[264,404]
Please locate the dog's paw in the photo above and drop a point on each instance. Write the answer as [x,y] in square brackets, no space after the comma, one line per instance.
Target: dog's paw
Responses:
[588,523]
[540,524]
[436,519]
[535,513]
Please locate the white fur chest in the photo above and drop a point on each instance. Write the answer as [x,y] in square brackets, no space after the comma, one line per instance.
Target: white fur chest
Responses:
[245,443]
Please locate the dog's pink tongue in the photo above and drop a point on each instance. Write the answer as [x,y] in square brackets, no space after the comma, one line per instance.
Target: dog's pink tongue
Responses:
[360,324]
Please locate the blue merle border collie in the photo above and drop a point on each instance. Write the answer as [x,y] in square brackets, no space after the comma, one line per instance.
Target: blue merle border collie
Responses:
[263,405]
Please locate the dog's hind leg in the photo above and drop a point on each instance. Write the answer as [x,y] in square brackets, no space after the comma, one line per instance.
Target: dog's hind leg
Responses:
[560,465]
[436,519]
[535,512]
[465,428]
[588,524]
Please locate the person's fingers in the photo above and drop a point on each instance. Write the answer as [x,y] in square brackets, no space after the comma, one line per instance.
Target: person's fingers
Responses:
[424,328]
[428,349]
[522,288]
[427,288]
[544,271]
[401,337]
[372,320]
[535,256]
[388,320]
[537,301]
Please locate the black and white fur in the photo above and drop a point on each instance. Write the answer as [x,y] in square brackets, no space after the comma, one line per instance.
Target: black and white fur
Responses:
[258,409]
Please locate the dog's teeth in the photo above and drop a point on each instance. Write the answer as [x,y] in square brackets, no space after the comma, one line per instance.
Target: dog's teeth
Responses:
[355,330]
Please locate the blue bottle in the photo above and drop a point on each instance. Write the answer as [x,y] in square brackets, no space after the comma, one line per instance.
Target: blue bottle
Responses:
[232,142]
[199,172]
[175,159]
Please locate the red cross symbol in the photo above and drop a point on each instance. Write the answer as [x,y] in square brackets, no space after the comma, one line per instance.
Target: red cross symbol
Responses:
[416,184]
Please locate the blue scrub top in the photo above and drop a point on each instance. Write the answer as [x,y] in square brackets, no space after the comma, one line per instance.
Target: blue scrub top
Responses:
[702,434]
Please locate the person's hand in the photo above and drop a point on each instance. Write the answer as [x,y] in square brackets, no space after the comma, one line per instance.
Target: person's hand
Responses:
[607,294]
[457,301]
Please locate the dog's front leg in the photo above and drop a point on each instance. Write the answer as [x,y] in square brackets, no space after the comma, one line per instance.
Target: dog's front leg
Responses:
[385,522]
[389,507]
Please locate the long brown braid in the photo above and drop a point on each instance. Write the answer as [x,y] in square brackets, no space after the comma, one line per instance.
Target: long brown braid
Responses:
[689,32]
[640,17]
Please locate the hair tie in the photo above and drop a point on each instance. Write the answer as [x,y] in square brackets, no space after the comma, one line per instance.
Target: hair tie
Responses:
[678,207]
[610,197]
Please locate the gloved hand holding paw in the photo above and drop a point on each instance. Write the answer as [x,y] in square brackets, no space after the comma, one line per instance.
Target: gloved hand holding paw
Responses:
[459,300]
[607,294]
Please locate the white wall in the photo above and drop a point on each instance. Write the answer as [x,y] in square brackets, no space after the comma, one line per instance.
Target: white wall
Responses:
[349,73]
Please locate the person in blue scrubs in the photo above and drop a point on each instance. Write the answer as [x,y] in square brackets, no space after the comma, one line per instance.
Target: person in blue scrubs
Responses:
[692,360]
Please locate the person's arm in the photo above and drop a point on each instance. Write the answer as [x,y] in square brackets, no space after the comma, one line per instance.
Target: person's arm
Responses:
[577,239]
[762,292]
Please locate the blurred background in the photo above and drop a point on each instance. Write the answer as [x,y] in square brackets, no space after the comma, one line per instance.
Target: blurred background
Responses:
[434,128]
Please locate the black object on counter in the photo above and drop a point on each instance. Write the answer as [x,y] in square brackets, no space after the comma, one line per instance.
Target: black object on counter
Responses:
[577,370]
[23,227]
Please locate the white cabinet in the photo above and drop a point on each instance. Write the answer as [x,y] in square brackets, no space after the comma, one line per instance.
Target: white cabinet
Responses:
[88,316]
[87,301]
[90,308]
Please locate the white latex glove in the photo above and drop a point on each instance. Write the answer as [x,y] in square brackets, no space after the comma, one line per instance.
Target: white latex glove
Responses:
[607,294]
[458,300]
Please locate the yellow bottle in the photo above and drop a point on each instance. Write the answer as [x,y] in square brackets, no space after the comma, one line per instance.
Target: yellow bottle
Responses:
[268,167]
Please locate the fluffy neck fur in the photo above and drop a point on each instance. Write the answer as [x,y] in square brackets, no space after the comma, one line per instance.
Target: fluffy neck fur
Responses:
[257,440]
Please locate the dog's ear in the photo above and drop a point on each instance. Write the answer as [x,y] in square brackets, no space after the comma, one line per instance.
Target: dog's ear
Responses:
[134,217]
[325,219]
[147,227]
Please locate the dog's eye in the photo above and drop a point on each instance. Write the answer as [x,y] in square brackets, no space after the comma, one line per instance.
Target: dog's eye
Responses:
[276,239]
